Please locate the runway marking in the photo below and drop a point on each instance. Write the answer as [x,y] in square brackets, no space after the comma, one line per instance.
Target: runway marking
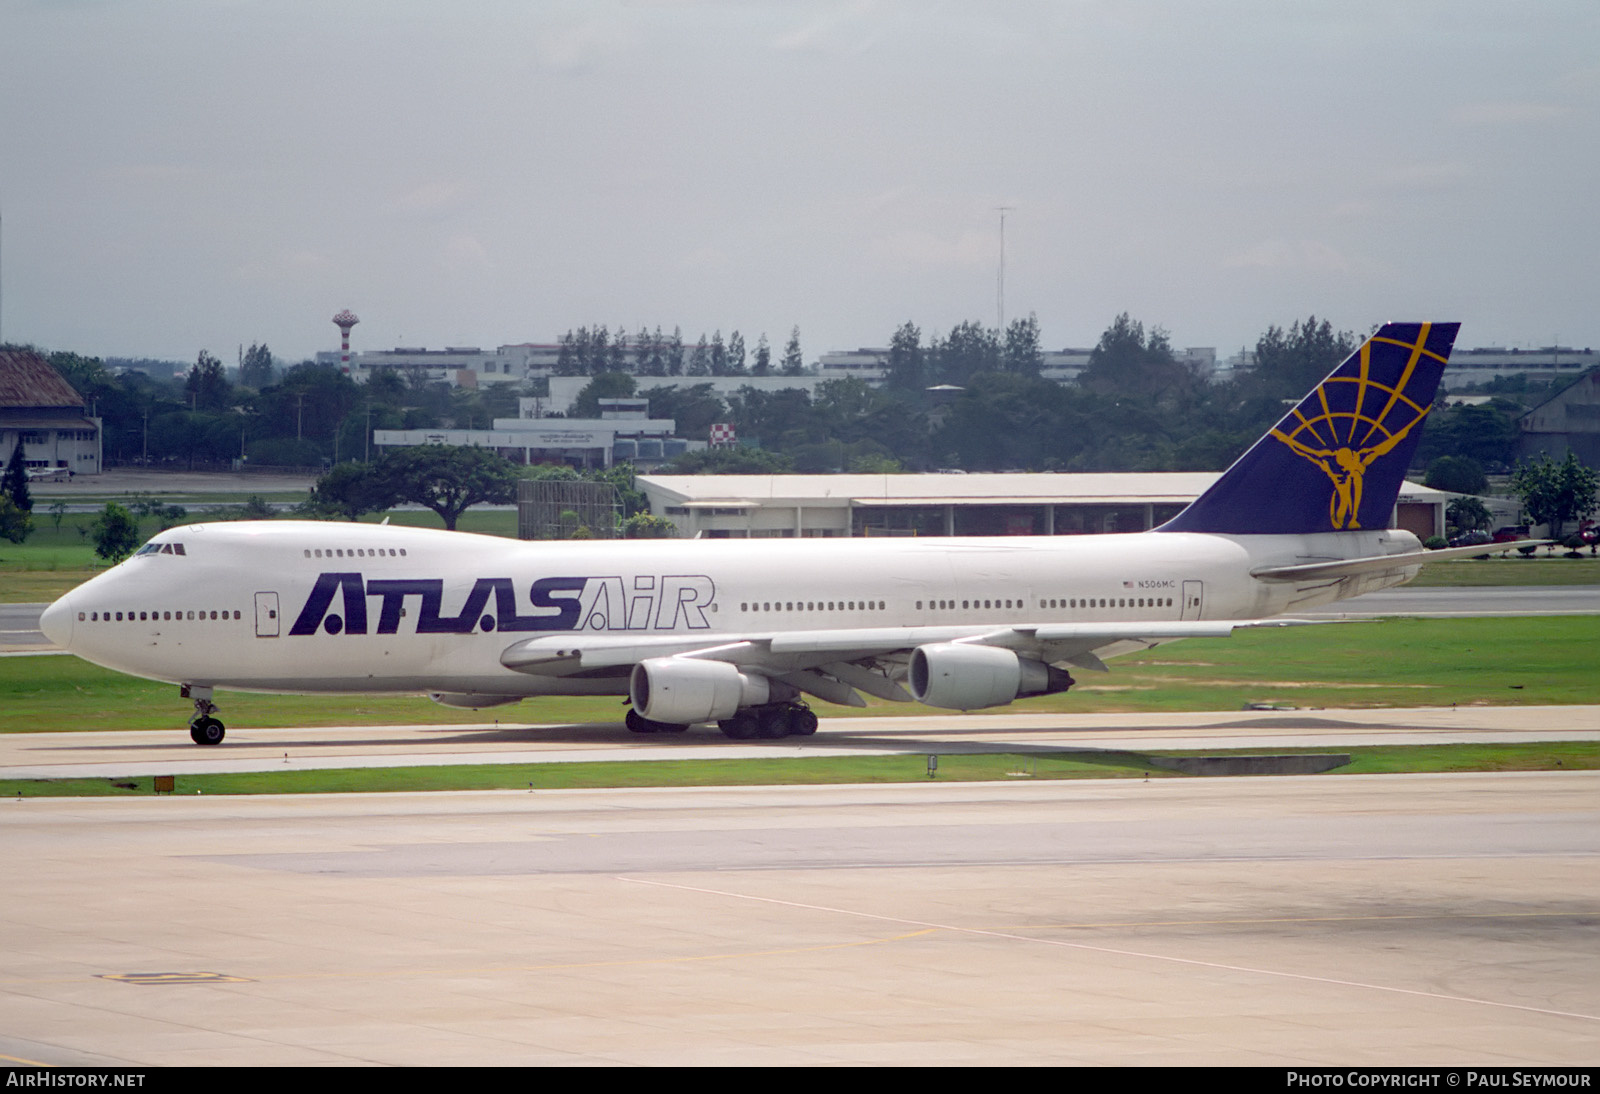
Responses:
[1116,952]
[24,1061]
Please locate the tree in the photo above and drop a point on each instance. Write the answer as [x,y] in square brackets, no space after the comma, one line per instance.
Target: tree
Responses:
[674,352]
[1128,362]
[450,479]
[605,385]
[115,533]
[968,350]
[719,355]
[617,361]
[700,359]
[736,354]
[15,524]
[207,385]
[1487,434]
[729,461]
[1022,353]
[255,370]
[694,409]
[1467,514]
[1289,363]
[793,363]
[1554,493]
[646,526]
[1457,474]
[907,362]
[763,358]
[14,483]
[255,507]
[349,490]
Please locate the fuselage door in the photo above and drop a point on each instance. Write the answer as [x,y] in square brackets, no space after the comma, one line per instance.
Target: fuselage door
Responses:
[1193,599]
[266,615]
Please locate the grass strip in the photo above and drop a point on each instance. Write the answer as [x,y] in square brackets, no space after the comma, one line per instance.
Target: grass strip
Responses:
[1515,661]
[808,770]
[1473,572]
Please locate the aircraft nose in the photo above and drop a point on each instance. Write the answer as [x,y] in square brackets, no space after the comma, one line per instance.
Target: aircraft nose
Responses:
[56,622]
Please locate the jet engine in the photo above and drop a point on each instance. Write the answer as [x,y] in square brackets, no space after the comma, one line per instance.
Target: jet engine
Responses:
[959,676]
[681,690]
[471,700]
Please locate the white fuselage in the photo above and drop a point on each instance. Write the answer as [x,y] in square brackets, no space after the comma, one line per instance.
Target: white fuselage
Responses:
[329,607]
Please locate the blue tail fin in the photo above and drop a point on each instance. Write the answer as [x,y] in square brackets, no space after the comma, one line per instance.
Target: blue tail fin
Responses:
[1336,461]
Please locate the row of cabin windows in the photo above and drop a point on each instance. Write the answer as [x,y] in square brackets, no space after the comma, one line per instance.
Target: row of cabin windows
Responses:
[950,605]
[354,552]
[134,617]
[814,606]
[1071,602]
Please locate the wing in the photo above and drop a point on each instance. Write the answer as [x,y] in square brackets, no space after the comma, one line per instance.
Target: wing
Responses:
[837,664]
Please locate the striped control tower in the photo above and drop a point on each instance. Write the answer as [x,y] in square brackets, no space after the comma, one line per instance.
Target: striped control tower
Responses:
[345,320]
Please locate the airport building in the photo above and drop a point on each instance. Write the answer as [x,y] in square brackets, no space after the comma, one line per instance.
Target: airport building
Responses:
[564,390]
[458,366]
[1064,366]
[623,433]
[1568,421]
[472,366]
[41,411]
[1479,366]
[1007,504]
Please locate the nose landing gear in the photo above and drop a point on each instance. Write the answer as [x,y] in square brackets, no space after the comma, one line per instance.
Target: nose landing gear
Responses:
[203,728]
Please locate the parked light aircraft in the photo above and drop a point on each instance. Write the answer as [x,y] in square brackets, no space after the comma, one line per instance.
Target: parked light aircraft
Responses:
[738,631]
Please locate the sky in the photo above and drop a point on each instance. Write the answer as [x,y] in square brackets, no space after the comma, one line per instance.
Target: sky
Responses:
[178,175]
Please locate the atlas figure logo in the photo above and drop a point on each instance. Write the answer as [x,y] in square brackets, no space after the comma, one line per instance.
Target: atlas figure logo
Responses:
[1352,421]
[668,602]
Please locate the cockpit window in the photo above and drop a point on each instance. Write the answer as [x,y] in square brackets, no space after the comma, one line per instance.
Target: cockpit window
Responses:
[154,548]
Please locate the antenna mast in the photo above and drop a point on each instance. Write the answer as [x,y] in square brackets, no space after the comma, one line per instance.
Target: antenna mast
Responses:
[1000,287]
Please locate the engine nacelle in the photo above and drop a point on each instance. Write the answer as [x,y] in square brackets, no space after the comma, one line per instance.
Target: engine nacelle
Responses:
[682,690]
[959,676]
[470,700]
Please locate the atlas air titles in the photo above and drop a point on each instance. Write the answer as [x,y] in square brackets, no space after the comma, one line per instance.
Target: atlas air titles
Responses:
[339,603]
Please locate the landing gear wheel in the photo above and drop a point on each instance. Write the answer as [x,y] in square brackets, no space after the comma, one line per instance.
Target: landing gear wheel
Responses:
[772,722]
[206,731]
[638,723]
[802,721]
[203,728]
[741,727]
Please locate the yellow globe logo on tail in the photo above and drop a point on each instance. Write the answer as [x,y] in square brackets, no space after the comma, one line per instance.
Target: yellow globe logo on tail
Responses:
[1361,420]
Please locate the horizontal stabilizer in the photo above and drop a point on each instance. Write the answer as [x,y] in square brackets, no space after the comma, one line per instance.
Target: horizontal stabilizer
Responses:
[1313,571]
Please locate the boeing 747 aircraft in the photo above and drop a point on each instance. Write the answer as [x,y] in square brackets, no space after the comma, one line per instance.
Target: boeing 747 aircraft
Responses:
[737,632]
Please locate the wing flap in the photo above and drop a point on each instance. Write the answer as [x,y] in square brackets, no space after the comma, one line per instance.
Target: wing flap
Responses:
[832,650]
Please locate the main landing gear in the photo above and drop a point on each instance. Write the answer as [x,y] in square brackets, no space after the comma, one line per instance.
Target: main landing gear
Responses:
[770,722]
[765,723]
[638,723]
[203,728]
